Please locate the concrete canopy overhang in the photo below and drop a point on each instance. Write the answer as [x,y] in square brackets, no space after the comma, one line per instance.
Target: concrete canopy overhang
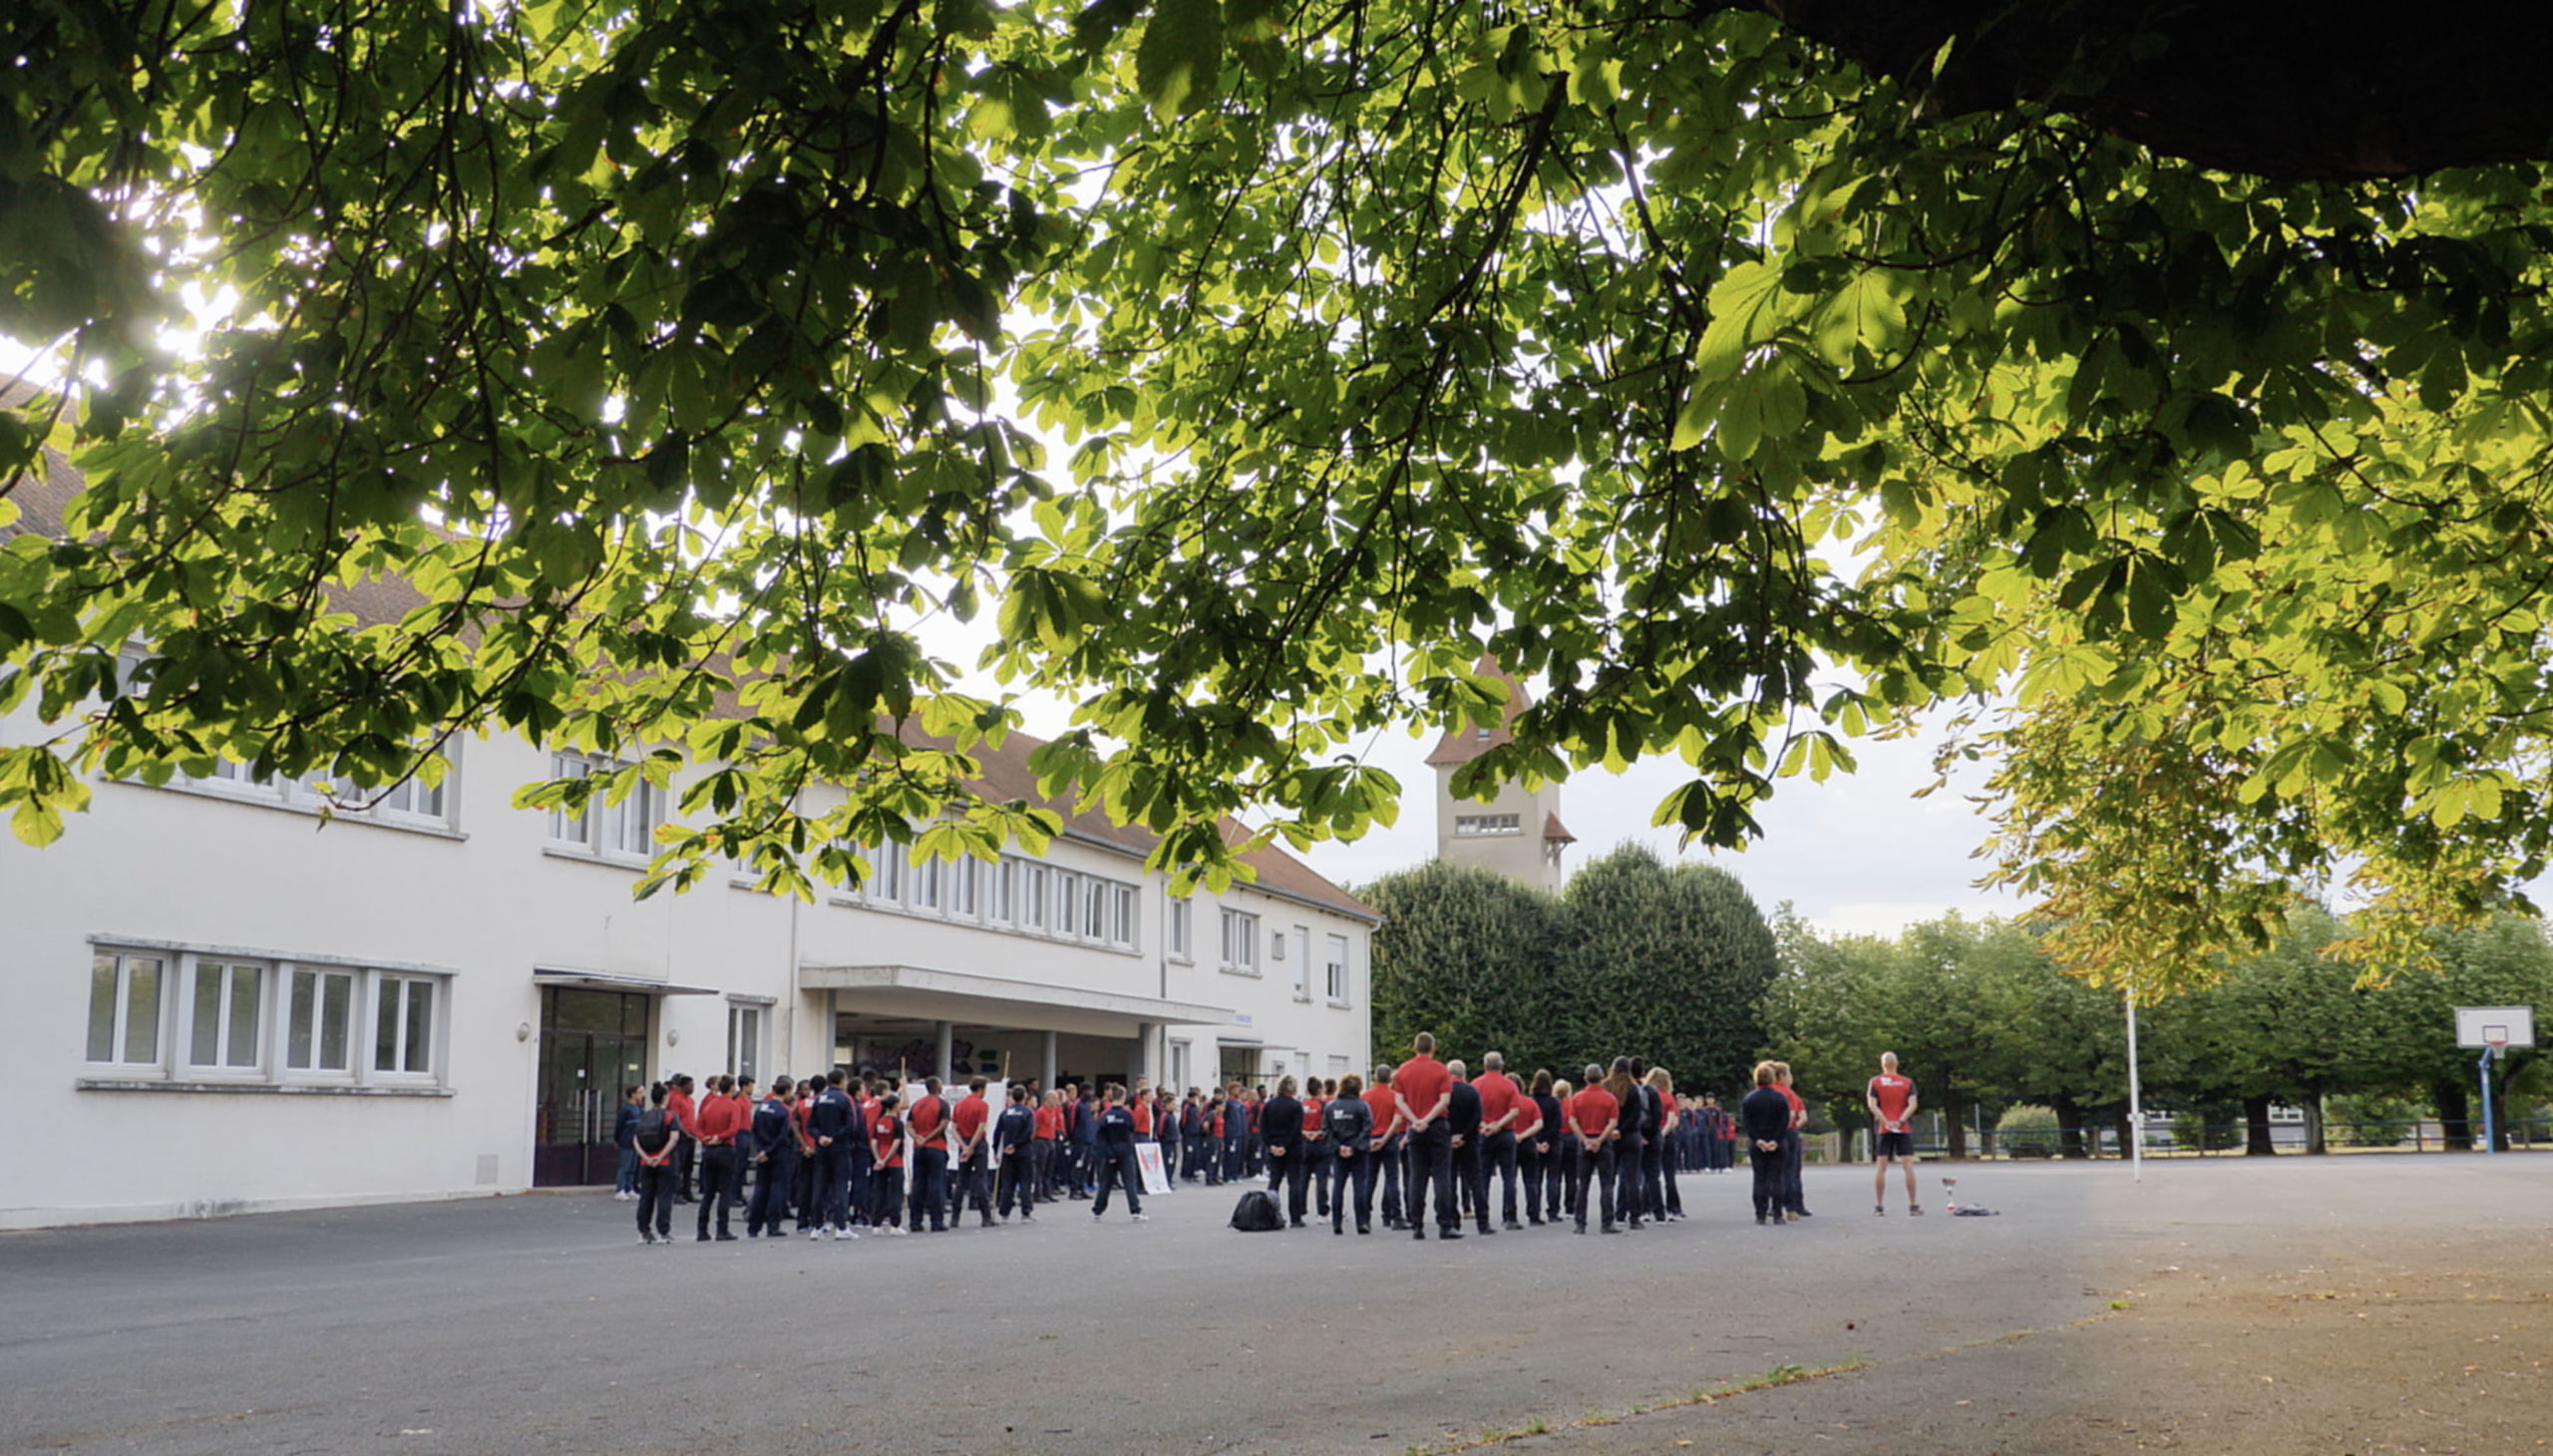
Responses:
[605,981]
[926,994]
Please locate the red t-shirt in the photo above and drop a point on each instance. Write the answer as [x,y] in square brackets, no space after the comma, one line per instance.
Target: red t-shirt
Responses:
[1497,1094]
[1422,1085]
[888,1140]
[721,1118]
[1528,1113]
[1050,1120]
[929,1119]
[1892,1093]
[1143,1119]
[971,1111]
[685,1112]
[1386,1105]
[1312,1119]
[1799,1108]
[1593,1110]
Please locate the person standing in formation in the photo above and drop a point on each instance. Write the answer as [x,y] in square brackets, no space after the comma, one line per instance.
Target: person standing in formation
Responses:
[834,1126]
[1387,1142]
[686,1114]
[1013,1136]
[1281,1123]
[1594,1116]
[1537,1123]
[655,1135]
[886,1182]
[1765,1115]
[1463,1121]
[929,1123]
[775,1156]
[1562,1174]
[971,1122]
[1623,1088]
[1114,1137]
[720,1173]
[1316,1169]
[1503,1110]
[1664,1201]
[1426,1093]
[1347,1127]
[1796,1148]
[1892,1101]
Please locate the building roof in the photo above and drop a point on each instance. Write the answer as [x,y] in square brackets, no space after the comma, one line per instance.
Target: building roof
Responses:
[1553,829]
[1464,742]
[1002,774]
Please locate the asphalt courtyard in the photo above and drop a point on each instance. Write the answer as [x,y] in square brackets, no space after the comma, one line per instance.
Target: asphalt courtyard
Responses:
[2345,1305]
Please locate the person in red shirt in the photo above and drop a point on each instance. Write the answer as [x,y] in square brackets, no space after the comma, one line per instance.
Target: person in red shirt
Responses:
[886,1179]
[1316,1159]
[1502,1108]
[1794,1147]
[1592,1113]
[1890,1099]
[971,1121]
[686,1115]
[1384,1142]
[1041,1149]
[1426,1091]
[928,1120]
[722,1116]
[802,1190]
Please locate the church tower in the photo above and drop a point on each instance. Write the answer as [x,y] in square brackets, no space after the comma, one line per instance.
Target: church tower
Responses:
[1518,833]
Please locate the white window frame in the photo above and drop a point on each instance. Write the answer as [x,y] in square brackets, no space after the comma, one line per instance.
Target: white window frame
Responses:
[164,970]
[1127,917]
[391,995]
[1068,905]
[966,888]
[748,1038]
[1338,949]
[288,982]
[930,878]
[1487,826]
[1036,905]
[1301,956]
[622,832]
[1001,898]
[1240,942]
[229,972]
[1181,931]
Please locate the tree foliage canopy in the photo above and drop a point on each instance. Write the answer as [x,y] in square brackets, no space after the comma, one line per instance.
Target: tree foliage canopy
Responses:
[1633,958]
[662,347]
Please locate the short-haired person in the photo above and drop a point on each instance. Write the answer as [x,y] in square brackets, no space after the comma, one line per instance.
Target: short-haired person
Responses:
[1281,1124]
[1348,1122]
[927,1121]
[1594,1114]
[1385,1144]
[1114,1130]
[1043,1152]
[832,1123]
[1564,1155]
[775,1152]
[1463,1116]
[1316,1169]
[686,1115]
[655,1136]
[1014,1135]
[1795,1151]
[1503,1110]
[1537,1125]
[721,1171]
[1765,1117]
[972,1123]
[887,1177]
[1426,1092]
[624,1178]
[1892,1101]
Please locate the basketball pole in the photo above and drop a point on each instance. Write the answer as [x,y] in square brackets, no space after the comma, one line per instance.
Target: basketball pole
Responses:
[2490,1133]
[2135,1096]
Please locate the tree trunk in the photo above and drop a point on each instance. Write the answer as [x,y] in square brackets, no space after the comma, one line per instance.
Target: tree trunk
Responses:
[2070,1128]
[2314,1144]
[1958,1126]
[2455,1103]
[2257,1142]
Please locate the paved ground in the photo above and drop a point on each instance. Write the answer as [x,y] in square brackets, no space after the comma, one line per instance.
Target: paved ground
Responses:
[2365,1304]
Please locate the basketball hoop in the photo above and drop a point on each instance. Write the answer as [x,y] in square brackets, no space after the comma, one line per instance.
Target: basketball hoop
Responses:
[2495,1040]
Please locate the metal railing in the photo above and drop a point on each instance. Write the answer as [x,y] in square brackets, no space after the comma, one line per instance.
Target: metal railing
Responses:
[2183,1139]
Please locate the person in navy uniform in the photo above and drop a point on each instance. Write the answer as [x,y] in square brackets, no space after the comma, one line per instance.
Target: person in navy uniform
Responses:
[1347,1128]
[1281,1124]
[1462,1116]
[1013,1133]
[833,1124]
[1765,1117]
[775,1151]
[1113,1132]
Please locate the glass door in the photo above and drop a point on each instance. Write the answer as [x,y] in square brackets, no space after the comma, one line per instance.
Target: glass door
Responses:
[593,1044]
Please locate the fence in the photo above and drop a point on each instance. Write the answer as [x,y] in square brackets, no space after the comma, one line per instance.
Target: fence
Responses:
[2203,1140]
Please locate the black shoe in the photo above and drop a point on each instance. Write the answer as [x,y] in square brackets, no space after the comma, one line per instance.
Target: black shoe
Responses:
[1537,1223]
[1364,1229]
[725,1238]
[1418,1234]
[1449,1233]
[1582,1228]
[1512,1226]
[704,1235]
[1485,1231]
[1610,1229]
[1759,1218]
[1799,1213]
[1339,1229]
[1296,1224]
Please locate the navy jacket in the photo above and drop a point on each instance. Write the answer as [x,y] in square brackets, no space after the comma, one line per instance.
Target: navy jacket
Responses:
[1462,1114]
[1015,1128]
[773,1136]
[1349,1124]
[1281,1124]
[625,1129]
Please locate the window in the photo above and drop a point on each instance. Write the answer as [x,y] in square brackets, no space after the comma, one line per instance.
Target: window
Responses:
[926,881]
[1032,895]
[123,1008]
[1241,942]
[1469,825]
[887,873]
[227,1013]
[320,1021]
[1067,902]
[1000,894]
[1336,958]
[403,1027]
[626,830]
[744,1041]
[1182,940]
[1303,958]
[1122,929]
[1097,907]
[965,877]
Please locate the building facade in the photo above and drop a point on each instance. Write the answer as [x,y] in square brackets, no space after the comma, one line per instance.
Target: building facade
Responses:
[225,1000]
[1517,833]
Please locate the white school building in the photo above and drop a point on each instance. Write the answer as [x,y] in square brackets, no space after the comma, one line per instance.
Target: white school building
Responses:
[220,1000]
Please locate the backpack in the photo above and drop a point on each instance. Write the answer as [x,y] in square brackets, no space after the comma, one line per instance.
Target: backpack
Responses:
[655,1129]
[1257,1213]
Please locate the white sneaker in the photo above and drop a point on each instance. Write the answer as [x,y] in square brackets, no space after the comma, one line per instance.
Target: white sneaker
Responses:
[846,1232]
[1140,1218]
[815,1234]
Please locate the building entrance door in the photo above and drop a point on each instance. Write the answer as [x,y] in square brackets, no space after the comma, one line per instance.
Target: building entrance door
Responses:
[593,1044]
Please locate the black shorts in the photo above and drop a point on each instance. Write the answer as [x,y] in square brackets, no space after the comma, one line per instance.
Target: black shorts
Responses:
[1895,1145]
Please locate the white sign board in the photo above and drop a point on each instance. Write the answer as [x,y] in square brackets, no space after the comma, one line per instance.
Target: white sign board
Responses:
[1148,1159]
[2478,1027]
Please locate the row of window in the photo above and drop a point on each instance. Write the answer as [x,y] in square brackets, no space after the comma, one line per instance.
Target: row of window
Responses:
[413,802]
[1470,825]
[193,1016]
[1010,893]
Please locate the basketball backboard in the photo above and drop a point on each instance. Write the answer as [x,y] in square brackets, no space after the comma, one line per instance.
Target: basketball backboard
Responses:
[2479,1026]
